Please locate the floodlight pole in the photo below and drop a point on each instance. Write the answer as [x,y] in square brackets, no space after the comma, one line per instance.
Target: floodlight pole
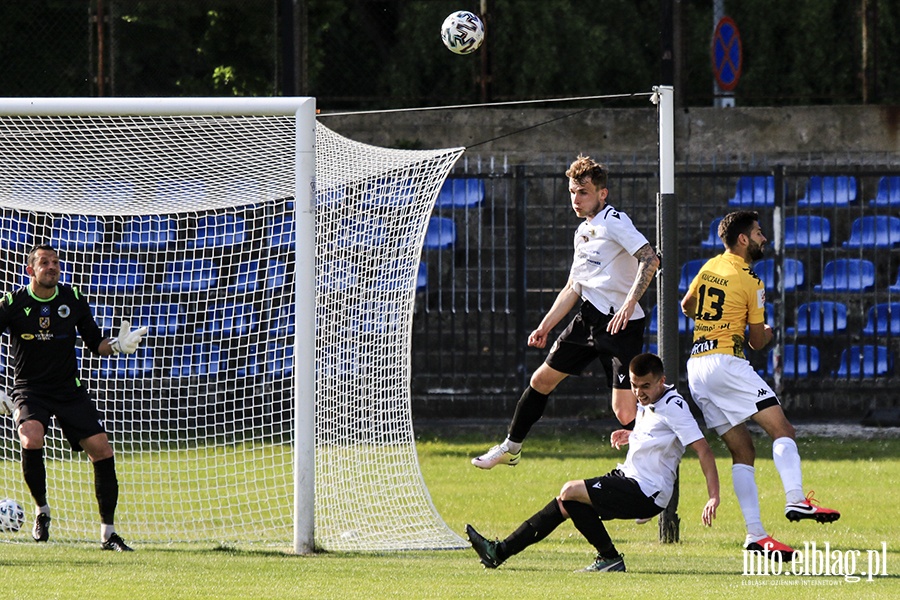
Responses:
[667,286]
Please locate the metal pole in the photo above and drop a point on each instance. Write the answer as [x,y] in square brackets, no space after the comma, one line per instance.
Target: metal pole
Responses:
[667,286]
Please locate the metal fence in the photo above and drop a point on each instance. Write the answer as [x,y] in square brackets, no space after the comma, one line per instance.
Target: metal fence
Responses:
[486,290]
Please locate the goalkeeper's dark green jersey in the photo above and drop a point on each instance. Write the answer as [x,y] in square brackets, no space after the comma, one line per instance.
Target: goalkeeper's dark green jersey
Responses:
[42,336]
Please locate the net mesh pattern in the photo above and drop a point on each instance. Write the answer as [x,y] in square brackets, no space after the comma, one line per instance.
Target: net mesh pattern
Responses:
[185,225]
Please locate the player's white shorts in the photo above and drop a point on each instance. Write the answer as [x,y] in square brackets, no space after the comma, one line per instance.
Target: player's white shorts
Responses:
[727,390]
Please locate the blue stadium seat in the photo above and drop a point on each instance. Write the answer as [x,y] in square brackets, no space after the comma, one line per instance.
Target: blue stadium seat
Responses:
[132,366]
[754,191]
[888,191]
[246,279]
[281,232]
[713,240]
[895,287]
[282,324]
[147,233]
[829,191]
[218,231]
[866,361]
[883,319]
[461,192]
[188,276]
[422,277]
[441,233]
[798,360]
[107,321]
[879,231]
[227,319]
[117,276]
[793,273]
[280,360]
[16,235]
[196,360]
[689,270]
[844,275]
[820,318]
[807,232]
[685,325]
[245,362]
[388,191]
[77,232]
[277,276]
[161,320]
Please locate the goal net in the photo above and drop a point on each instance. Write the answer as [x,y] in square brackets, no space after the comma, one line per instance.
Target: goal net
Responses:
[184,222]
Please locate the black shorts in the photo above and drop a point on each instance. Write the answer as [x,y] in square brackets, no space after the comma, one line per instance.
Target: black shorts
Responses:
[76,415]
[615,496]
[586,339]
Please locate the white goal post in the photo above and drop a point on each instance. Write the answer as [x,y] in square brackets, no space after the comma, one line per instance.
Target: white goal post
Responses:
[275,264]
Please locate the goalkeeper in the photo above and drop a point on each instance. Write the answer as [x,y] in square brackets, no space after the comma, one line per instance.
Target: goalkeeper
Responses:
[42,319]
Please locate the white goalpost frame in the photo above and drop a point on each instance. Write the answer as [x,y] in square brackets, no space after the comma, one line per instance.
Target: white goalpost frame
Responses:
[205,417]
[304,111]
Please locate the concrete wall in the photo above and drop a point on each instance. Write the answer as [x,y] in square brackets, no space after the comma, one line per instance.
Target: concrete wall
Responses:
[853,134]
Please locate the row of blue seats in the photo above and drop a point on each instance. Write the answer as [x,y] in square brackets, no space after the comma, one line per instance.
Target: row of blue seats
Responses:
[802,360]
[841,190]
[195,360]
[841,275]
[129,276]
[818,318]
[811,231]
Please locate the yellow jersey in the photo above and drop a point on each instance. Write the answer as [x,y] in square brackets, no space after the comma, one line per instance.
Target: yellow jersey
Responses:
[729,297]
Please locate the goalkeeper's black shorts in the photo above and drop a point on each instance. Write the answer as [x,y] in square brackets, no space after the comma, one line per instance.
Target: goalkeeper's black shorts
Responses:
[76,414]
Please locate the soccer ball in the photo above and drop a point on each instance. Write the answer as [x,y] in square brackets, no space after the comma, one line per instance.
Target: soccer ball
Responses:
[462,32]
[11,515]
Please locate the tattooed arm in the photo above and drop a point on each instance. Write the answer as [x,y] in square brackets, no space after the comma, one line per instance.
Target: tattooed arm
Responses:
[648,263]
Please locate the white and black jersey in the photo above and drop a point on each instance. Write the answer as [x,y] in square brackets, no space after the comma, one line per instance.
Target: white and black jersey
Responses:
[662,431]
[604,267]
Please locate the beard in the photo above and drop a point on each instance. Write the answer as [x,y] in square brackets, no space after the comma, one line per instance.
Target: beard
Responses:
[755,251]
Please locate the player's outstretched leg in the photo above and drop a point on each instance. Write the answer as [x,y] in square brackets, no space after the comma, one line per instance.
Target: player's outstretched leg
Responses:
[488,550]
[498,455]
[810,509]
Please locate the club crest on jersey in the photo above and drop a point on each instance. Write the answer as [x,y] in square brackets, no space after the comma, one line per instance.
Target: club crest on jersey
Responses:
[44,322]
[63,311]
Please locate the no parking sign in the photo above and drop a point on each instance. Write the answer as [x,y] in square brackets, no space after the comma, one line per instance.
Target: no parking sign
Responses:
[727,54]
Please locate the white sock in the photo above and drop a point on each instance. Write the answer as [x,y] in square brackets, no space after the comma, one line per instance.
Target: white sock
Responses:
[744,479]
[106,531]
[43,509]
[787,462]
[514,447]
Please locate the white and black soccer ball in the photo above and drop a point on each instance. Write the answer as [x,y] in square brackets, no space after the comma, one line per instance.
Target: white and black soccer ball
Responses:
[462,32]
[12,515]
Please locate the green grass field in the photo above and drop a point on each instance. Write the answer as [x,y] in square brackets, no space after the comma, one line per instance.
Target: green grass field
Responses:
[854,475]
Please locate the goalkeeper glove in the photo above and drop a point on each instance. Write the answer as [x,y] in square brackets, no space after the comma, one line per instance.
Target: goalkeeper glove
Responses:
[128,341]
[6,404]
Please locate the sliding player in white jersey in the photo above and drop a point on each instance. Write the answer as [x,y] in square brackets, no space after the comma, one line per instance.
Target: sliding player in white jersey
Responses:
[638,489]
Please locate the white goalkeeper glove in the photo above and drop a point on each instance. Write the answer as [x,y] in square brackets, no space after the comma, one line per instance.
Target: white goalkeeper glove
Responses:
[128,341]
[6,404]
